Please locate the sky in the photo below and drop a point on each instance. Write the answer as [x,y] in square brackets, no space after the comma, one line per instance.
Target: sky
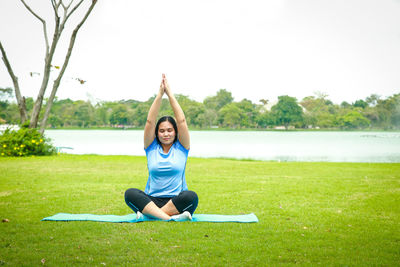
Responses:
[256,49]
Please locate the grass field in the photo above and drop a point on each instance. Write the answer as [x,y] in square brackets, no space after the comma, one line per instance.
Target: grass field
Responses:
[327,214]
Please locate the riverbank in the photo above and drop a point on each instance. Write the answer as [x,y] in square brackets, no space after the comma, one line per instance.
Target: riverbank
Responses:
[310,213]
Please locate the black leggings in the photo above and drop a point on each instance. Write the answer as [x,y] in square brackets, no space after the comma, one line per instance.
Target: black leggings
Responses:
[137,199]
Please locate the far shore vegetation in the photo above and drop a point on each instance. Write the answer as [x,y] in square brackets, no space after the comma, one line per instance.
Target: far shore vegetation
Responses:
[220,112]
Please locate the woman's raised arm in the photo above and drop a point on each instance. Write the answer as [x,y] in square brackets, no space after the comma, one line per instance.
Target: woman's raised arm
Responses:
[150,126]
[183,130]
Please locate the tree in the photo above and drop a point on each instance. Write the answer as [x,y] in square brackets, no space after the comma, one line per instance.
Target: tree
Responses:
[372,100]
[102,114]
[83,113]
[287,111]
[5,94]
[360,104]
[320,111]
[345,104]
[208,118]
[389,111]
[249,113]
[192,109]
[222,98]
[231,115]
[141,111]
[353,120]
[60,10]
[119,115]
[264,119]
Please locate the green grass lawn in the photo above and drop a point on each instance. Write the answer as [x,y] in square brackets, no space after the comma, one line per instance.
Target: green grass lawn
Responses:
[335,214]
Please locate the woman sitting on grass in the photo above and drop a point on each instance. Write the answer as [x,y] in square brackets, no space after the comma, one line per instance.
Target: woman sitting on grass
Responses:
[166,195]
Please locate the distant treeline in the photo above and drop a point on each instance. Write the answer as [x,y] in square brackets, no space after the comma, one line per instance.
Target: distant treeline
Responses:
[220,111]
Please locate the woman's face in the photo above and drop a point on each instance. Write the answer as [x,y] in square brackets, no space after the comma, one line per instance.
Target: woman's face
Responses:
[166,133]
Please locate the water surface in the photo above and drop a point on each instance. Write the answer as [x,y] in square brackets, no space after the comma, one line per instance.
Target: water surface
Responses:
[260,145]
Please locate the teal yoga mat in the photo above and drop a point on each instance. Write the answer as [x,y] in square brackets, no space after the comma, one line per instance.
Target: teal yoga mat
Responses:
[131,218]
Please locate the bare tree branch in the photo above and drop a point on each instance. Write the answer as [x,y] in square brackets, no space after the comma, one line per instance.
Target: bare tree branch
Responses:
[46,76]
[20,99]
[56,83]
[70,3]
[53,3]
[66,15]
[43,22]
[56,6]
[76,7]
[33,13]
[67,6]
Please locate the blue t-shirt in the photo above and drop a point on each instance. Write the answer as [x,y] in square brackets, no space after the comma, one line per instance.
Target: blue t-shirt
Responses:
[166,170]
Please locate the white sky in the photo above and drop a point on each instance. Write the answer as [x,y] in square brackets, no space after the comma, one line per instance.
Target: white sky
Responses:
[255,49]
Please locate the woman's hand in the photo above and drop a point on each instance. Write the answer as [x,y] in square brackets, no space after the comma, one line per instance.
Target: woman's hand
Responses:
[162,90]
[167,89]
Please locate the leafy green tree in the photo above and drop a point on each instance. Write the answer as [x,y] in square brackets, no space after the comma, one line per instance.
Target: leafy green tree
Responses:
[83,113]
[119,115]
[208,118]
[54,121]
[353,120]
[371,113]
[345,104]
[231,115]
[360,104]
[165,109]
[372,100]
[326,120]
[193,112]
[287,111]
[102,113]
[264,119]
[65,111]
[5,95]
[140,113]
[320,112]
[249,113]
[389,112]
[216,102]
[8,110]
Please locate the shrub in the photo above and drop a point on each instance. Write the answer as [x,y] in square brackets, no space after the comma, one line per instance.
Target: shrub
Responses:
[25,142]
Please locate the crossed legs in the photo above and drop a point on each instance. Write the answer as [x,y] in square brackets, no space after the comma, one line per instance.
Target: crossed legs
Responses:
[162,208]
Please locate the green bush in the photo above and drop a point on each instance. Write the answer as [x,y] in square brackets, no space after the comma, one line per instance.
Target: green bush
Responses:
[25,142]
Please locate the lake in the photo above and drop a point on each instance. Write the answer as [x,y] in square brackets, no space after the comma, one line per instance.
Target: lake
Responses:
[258,145]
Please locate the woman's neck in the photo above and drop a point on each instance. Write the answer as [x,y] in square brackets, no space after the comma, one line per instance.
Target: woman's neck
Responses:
[166,148]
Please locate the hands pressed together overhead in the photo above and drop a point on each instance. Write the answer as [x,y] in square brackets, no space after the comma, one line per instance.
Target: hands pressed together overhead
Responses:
[164,86]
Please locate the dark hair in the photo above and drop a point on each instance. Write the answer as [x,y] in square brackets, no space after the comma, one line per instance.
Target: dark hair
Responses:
[172,121]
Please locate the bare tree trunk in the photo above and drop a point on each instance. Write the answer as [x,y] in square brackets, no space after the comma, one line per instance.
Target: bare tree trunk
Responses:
[46,73]
[20,98]
[39,100]
[47,65]
[56,83]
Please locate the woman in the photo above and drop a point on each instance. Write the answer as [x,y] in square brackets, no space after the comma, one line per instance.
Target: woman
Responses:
[166,195]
